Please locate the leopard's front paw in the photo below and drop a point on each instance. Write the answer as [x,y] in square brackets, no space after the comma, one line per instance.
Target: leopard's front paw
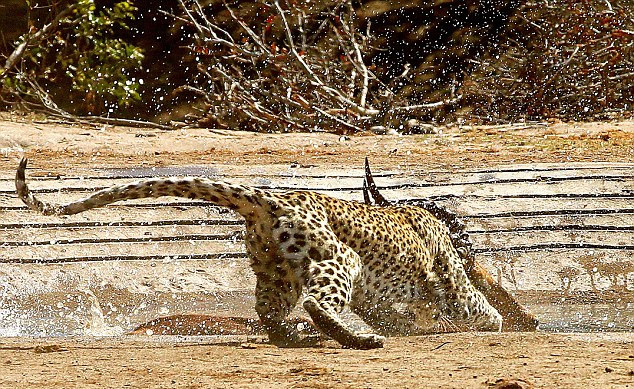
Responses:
[495,322]
[490,323]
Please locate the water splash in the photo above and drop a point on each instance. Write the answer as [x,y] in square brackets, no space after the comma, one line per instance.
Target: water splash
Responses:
[96,324]
[9,328]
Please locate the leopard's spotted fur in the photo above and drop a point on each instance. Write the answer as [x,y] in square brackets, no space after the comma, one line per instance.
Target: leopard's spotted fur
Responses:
[515,316]
[395,266]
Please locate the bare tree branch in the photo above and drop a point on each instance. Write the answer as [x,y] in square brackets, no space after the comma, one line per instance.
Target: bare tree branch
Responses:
[36,37]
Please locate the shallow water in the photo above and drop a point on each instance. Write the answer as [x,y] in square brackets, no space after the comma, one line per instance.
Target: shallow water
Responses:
[570,317]
[91,317]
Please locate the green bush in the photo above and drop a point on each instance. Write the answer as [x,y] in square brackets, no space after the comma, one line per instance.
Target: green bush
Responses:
[84,52]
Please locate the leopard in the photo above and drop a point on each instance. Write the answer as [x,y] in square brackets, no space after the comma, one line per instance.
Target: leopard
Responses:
[394,266]
[516,317]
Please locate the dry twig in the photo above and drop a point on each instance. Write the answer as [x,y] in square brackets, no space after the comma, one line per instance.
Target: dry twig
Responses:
[301,76]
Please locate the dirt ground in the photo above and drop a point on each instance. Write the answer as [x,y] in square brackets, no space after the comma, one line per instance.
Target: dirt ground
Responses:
[64,146]
[447,361]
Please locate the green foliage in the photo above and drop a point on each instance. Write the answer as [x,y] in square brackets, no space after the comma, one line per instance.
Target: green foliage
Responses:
[86,53]
[102,68]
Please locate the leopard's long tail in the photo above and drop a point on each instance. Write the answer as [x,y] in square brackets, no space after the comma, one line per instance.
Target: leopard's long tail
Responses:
[241,199]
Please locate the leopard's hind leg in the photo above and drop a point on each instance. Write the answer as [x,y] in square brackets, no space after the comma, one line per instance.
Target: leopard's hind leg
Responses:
[280,263]
[276,295]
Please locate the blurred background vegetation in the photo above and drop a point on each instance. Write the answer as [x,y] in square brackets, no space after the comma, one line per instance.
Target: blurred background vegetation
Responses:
[473,61]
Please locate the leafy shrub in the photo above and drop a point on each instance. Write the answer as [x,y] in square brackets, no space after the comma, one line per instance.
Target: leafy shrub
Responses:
[82,52]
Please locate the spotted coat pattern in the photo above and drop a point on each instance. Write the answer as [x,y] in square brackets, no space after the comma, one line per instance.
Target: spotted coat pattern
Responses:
[395,266]
[516,317]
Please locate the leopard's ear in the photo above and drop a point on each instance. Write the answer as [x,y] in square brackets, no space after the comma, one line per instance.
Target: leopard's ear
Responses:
[20,179]
[371,194]
[366,194]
